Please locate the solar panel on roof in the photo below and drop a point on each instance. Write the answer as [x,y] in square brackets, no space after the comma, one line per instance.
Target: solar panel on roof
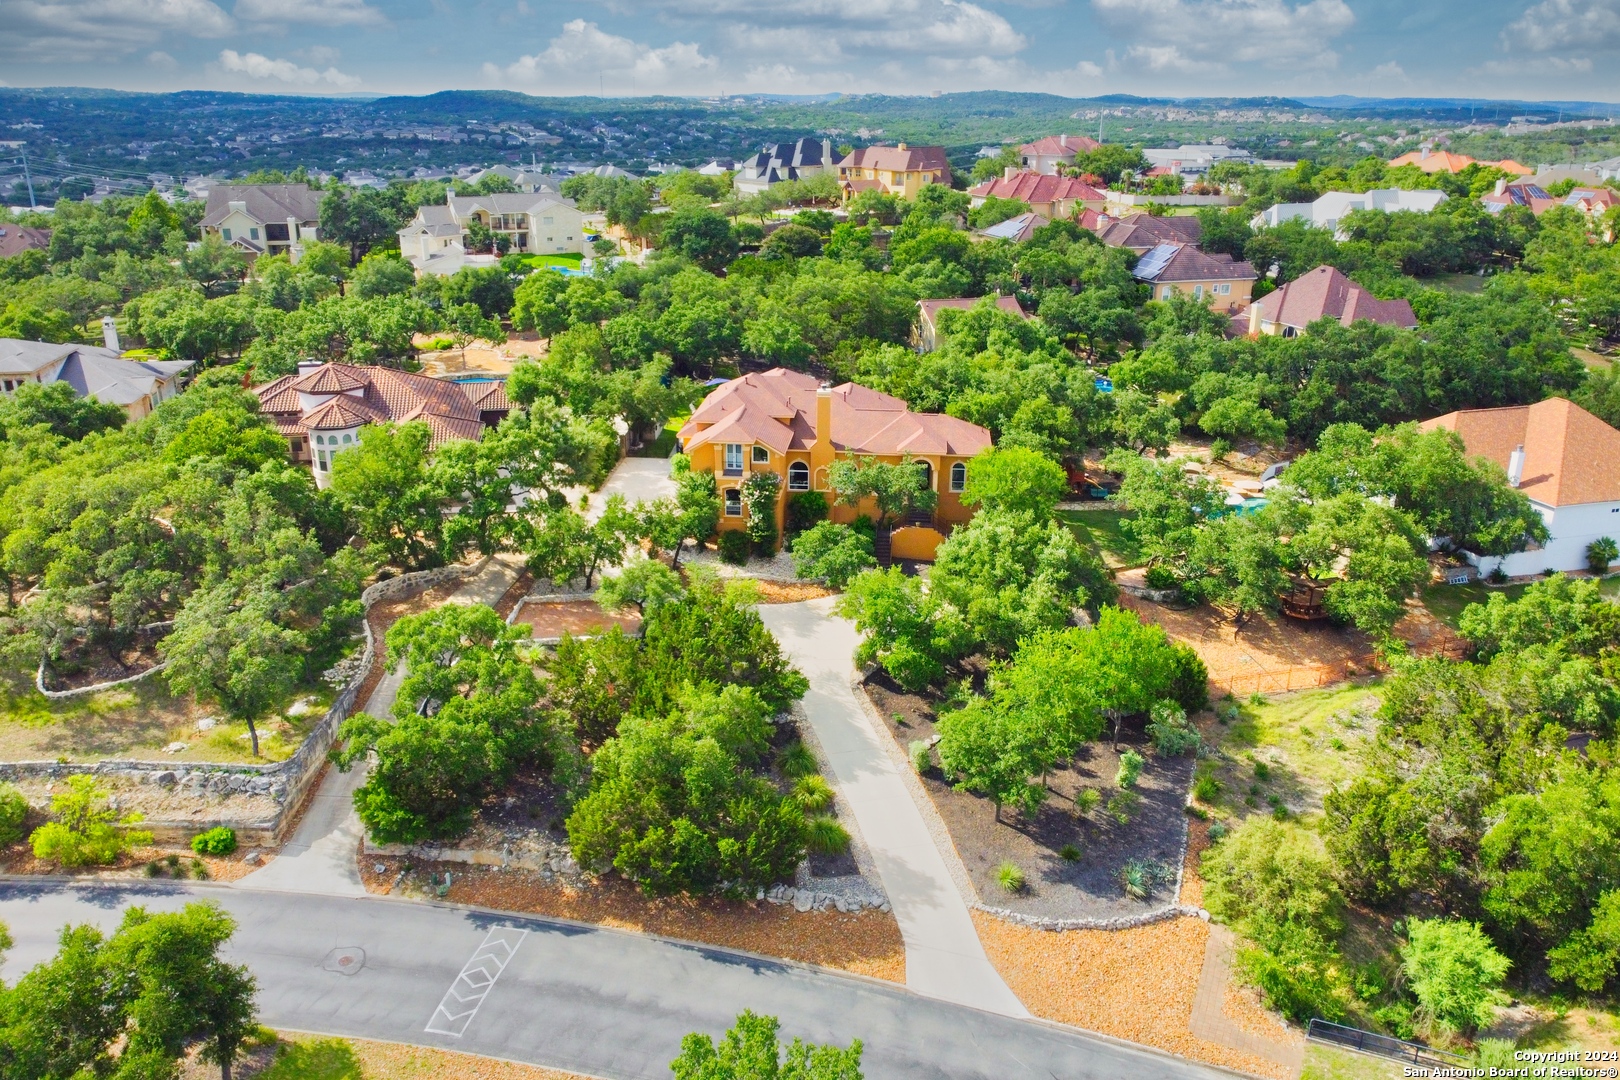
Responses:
[1153,263]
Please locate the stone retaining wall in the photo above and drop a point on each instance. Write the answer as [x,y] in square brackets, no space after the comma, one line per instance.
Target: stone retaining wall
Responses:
[94,688]
[288,782]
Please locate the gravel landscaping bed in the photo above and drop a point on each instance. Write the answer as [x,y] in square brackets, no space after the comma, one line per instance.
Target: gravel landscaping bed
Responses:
[319,1057]
[1086,887]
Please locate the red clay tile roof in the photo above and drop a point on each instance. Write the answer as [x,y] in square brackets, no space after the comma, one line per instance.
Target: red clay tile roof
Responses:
[1034,187]
[1434,161]
[1326,292]
[1570,455]
[1052,145]
[778,409]
[900,158]
[385,395]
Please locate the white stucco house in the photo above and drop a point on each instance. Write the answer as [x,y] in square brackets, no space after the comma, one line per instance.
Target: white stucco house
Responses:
[1327,211]
[435,241]
[136,386]
[1565,460]
[264,219]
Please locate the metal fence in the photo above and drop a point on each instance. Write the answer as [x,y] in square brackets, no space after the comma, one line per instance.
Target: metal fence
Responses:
[1370,1042]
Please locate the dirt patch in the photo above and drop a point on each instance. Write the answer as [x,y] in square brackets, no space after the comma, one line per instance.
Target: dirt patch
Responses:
[361,1059]
[867,943]
[783,592]
[509,600]
[19,859]
[1133,984]
[576,617]
[1087,884]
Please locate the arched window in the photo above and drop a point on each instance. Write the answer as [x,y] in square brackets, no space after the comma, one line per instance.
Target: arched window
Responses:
[733,502]
[320,440]
[798,476]
[348,438]
[959,476]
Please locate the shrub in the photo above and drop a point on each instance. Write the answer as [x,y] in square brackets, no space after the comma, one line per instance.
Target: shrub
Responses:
[13,813]
[813,792]
[1217,832]
[1123,805]
[1069,853]
[734,545]
[1189,678]
[1130,769]
[199,869]
[796,760]
[1139,876]
[833,552]
[922,757]
[1087,800]
[85,832]
[1159,576]
[1010,877]
[1600,553]
[1206,789]
[824,836]
[219,841]
[1455,973]
[804,511]
[1172,735]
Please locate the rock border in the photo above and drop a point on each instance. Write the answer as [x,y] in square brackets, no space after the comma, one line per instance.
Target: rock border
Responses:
[94,688]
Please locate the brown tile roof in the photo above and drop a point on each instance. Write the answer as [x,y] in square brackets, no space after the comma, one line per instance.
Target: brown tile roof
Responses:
[1034,187]
[264,203]
[1570,456]
[488,397]
[778,409]
[384,394]
[928,310]
[1434,161]
[1140,232]
[1325,292]
[900,158]
[16,239]
[1183,262]
[1067,145]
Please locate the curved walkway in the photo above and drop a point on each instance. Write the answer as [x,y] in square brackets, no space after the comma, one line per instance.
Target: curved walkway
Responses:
[944,958]
[589,1000]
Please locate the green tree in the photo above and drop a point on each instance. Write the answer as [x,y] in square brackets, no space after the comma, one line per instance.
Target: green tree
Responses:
[895,490]
[568,547]
[1455,972]
[904,627]
[59,408]
[382,274]
[1017,479]
[646,583]
[700,235]
[385,484]
[751,1051]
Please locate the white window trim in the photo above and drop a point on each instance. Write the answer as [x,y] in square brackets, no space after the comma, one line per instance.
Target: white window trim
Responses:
[729,502]
[796,468]
[955,484]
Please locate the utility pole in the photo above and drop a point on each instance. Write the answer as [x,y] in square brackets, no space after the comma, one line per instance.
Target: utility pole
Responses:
[32,205]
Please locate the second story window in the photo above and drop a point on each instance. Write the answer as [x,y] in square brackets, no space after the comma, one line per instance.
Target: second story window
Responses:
[798,476]
[958,476]
[762,455]
[734,458]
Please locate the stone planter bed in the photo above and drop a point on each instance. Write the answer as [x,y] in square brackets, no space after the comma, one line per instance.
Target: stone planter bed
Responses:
[579,618]
[1088,890]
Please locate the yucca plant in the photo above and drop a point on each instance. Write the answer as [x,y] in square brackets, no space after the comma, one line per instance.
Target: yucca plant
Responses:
[824,836]
[813,793]
[1137,878]
[795,759]
[1010,877]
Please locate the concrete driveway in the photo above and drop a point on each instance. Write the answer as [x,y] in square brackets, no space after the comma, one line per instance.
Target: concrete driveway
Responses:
[944,958]
[638,480]
[589,1000]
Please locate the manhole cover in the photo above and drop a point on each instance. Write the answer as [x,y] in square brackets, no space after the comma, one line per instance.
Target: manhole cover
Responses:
[345,961]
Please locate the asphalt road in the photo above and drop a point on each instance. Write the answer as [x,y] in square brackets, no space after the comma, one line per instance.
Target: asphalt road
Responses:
[589,1000]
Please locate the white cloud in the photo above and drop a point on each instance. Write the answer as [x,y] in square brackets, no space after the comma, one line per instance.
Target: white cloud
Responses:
[1561,24]
[318,12]
[1086,69]
[320,54]
[927,26]
[583,50]
[257,66]
[76,30]
[160,59]
[1388,70]
[1538,65]
[1201,36]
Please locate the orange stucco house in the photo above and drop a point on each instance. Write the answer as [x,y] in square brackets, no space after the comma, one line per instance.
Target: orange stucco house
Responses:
[790,424]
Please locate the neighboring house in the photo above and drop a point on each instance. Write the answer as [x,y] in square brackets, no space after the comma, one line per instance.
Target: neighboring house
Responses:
[1194,160]
[1328,210]
[898,170]
[784,161]
[790,425]
[135,385]
[321,409]
[1563,459]
[1046,155]
[1594,202]
[1051,196]
[435,241]
[264,219]
[717,167]
[1018,228]
[1220,281]
[1320,294]
[1436,161]
[927,335]
[526,181]
[1142,233]
[16,239]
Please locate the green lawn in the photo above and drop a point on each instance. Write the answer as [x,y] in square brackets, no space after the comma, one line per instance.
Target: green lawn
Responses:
[1100,531]
[664,445]
[1446,602]
[569,261]
[1457,283]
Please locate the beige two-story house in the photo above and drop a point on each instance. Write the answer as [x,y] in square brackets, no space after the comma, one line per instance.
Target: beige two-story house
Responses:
[264,219]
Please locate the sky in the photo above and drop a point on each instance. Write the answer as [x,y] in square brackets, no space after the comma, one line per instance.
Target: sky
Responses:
[1520,49]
